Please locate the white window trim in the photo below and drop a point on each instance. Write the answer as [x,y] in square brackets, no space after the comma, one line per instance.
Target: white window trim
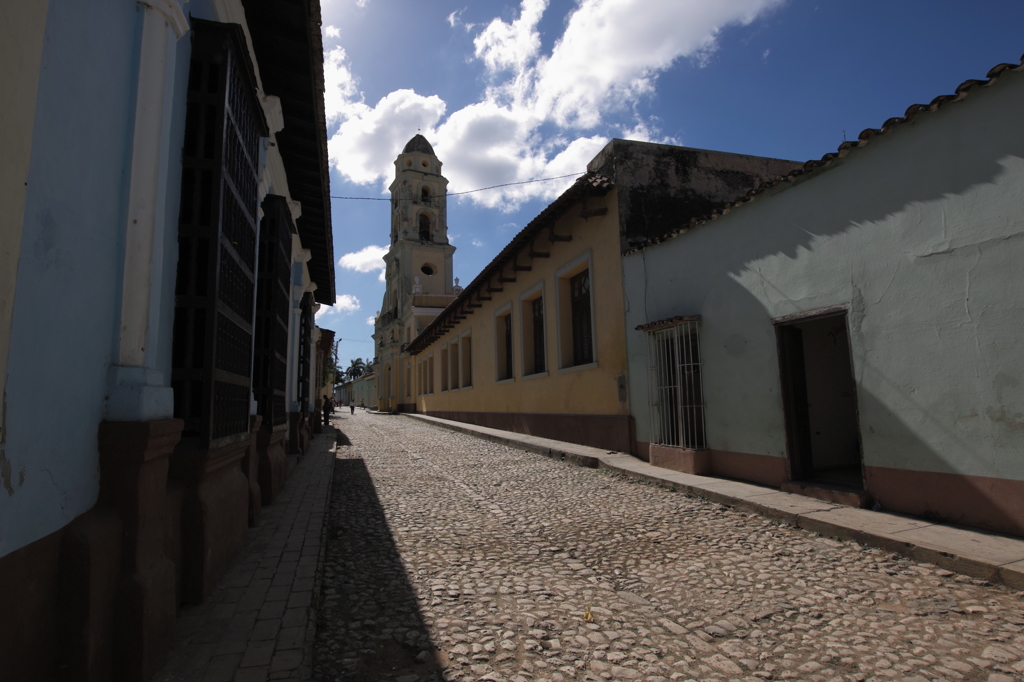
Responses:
[560,273]
[530,294]
[500,312]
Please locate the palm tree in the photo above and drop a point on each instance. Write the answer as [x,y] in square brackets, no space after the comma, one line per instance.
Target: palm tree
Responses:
[356,368]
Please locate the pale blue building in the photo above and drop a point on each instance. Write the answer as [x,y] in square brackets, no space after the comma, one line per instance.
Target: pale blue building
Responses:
[164,244]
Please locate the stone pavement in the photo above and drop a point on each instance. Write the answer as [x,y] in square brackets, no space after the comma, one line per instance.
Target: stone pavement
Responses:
[258,622]
[975,553]
[450,557]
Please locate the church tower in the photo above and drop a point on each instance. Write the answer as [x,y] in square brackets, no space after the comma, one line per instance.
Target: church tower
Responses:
[418,272]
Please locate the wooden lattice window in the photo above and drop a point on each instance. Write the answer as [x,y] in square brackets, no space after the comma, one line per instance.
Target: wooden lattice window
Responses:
[215,288]
[305,351]
[273,302]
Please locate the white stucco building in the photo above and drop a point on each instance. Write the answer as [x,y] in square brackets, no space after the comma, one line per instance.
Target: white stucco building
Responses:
[853,330]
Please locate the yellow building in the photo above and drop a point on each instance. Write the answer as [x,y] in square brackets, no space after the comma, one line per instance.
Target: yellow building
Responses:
[536,343]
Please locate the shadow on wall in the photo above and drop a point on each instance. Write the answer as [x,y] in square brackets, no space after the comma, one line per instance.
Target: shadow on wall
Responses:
[909,167]
[370,626]
[931,490]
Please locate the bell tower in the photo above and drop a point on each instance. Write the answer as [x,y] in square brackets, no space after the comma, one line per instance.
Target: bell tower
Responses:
[418,272]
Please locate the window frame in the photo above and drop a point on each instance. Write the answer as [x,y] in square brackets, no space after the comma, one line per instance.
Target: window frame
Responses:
[444,368]
[527,336]
[463,361]
[454,363]
[563,317]
[502,338]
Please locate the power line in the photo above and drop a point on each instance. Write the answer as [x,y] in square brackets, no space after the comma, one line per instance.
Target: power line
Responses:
[470,191]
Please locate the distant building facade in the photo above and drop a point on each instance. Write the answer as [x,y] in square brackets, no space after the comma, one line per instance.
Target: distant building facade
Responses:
[536,342]
[166,201]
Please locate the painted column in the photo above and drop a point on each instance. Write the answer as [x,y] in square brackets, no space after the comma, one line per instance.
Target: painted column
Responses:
[136,392]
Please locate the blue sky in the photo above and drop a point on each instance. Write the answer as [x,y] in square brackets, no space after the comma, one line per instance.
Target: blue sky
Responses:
[512,91]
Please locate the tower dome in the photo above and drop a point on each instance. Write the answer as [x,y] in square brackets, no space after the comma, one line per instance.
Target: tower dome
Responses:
[418,144]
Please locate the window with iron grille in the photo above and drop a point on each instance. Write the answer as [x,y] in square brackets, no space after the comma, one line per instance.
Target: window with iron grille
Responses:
[676,387]
[215,286]
[272,306]
[582,334]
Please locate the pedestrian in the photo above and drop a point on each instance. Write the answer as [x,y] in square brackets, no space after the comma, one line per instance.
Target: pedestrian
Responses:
[327,410]
[352,407]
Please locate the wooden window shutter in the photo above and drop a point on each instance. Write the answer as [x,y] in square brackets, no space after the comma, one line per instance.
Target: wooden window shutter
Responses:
[215,288]
[273,303]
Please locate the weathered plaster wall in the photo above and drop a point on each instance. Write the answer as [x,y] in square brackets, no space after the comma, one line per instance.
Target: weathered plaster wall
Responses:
[66,311]
[662,187]
[22,28]
[65,319]
[921,234]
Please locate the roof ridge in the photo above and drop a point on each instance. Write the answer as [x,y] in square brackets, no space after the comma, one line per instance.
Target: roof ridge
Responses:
[960,93]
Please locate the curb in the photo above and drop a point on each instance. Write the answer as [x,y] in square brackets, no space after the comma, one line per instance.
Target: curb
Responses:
[975,553]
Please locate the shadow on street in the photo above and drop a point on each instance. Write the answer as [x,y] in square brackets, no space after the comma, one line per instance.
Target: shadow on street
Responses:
[370,627]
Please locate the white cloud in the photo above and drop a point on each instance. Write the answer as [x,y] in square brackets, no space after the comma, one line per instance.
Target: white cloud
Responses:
[370,320]
[540,115]
[477,243]
[345,303]
[512,46]
[332,31]
[366,259]
[361,3]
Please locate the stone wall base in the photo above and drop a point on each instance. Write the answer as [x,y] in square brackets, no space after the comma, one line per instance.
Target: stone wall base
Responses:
[273,462]
[995,504]
[742,466]
[214,513]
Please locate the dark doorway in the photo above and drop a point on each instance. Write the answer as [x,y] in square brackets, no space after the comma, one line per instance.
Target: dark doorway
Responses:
[820,400]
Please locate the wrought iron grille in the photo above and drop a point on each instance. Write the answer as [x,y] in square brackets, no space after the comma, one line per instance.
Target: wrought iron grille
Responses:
[676,387]
[213,319]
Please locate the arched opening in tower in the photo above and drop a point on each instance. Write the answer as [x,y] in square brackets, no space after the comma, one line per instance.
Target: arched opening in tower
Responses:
[424,227]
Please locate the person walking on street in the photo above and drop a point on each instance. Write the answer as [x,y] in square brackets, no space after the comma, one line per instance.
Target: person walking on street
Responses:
[352,407]
[327,410]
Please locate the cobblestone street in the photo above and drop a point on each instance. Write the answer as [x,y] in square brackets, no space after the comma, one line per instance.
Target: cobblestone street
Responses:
[450,557]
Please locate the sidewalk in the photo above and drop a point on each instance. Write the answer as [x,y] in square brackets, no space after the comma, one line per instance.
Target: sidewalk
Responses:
[975,553]
[259,622]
